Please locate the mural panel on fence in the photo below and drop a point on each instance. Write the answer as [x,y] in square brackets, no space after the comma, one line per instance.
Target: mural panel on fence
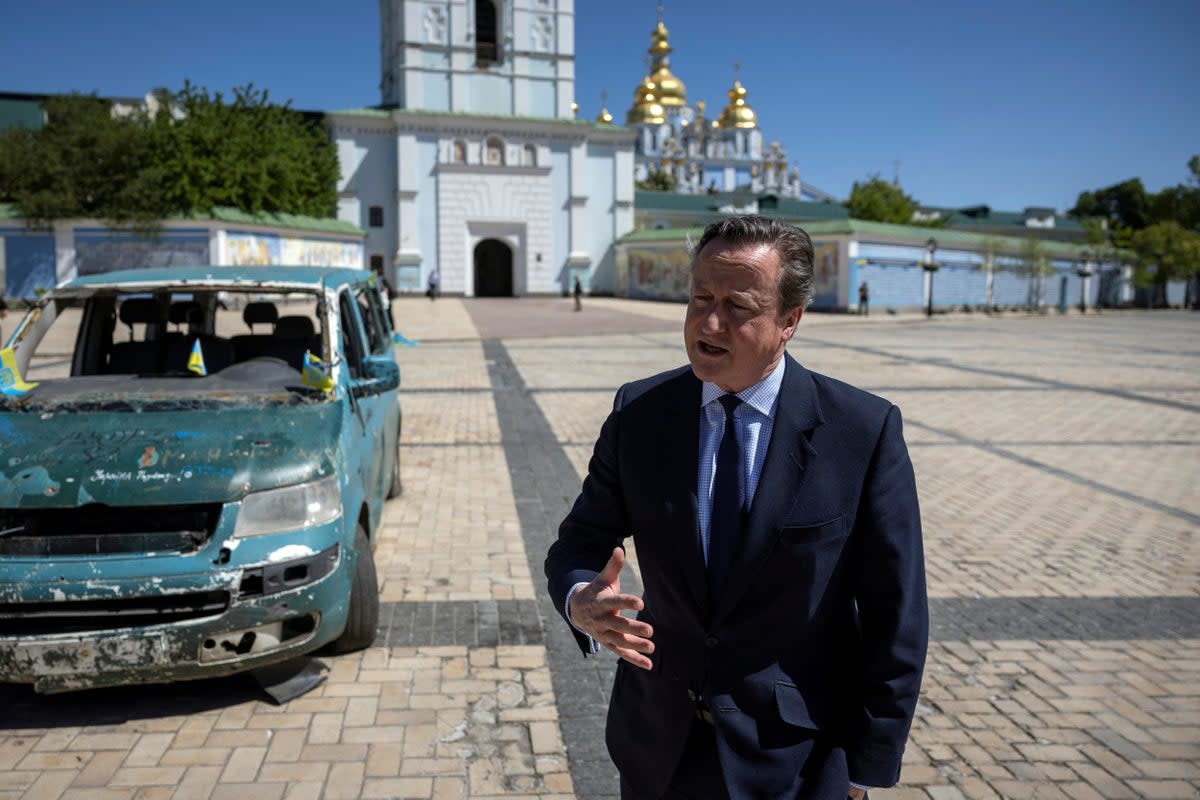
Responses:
[262,249]
[660,273]
[100,250]
[825,275]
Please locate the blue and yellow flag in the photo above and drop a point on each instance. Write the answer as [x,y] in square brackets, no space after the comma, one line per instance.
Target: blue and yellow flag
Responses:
[400,340]
[11,382]
[316,373]
[196,360]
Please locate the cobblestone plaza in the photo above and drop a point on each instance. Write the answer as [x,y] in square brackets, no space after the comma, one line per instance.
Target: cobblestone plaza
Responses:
[1057,459]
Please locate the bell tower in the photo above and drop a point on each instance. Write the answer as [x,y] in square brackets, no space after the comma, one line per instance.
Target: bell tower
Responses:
[508,57]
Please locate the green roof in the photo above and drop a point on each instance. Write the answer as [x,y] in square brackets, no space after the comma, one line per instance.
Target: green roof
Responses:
[901,234]
[985,217]
[239,217]
[709,204]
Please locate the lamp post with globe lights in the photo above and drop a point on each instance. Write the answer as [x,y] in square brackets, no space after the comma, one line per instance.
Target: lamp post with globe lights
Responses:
[930,266]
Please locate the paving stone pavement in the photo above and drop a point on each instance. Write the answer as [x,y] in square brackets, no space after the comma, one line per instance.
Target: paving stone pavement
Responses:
[1056,458]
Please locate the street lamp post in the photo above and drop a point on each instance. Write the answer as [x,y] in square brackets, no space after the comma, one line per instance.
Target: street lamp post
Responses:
[930,266]
[1085,272]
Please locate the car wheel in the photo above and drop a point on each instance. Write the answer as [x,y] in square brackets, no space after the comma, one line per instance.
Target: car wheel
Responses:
[362,620]
[396,488]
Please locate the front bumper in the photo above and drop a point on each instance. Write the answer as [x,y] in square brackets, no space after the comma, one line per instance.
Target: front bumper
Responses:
[77,624]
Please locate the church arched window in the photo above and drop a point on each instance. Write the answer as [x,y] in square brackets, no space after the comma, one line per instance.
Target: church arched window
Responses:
[458,151]
[529,156]
[487,29]
[493,151]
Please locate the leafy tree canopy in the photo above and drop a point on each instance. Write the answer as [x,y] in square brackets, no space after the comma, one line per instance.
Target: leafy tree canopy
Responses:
[1165,251]
[879,201]
[1127,205]
[189,152]
[657,180]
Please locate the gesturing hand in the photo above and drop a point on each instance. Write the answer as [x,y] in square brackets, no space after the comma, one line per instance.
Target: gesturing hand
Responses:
[596,610]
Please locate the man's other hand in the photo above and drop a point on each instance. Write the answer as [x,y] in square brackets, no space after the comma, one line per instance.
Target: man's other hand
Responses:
[596,610]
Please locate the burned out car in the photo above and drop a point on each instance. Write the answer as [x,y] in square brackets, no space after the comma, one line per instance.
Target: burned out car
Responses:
[193,466]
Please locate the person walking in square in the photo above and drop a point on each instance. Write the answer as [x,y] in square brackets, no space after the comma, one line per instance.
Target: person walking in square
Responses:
[864,299]
[780,640]
[435,282]
[578,292]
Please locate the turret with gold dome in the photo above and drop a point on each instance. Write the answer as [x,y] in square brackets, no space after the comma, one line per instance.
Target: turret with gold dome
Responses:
[699,154]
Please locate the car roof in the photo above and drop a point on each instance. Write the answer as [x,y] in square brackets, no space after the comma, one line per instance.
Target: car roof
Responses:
[245,277]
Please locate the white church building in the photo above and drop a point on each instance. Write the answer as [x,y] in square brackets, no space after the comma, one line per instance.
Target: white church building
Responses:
[474,165]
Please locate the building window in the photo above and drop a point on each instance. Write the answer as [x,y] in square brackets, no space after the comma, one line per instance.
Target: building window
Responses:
[458,152]
[494,151]
[530,156]
[487,51]
[375,216]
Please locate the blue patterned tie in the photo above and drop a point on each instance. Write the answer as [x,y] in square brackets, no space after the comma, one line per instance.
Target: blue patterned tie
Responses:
[725,526]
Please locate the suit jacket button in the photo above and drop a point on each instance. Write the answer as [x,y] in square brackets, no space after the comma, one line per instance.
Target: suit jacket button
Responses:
[711,642]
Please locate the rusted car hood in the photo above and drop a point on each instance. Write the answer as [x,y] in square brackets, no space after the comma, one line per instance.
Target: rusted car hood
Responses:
[167,457]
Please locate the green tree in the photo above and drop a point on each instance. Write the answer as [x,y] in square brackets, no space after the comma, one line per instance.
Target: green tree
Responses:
[84,163]
[188,152]
[1035,265]
[990,248]
[879,201]
[250,154]
[1166,251]
[1124,204]
[657,180]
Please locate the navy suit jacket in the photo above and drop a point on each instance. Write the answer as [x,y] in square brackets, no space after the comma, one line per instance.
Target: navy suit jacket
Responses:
[810,660]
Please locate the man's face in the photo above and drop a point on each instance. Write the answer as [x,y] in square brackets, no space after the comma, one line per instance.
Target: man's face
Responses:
[734,331]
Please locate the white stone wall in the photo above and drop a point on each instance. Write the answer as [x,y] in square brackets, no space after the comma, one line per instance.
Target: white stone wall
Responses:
[474,204]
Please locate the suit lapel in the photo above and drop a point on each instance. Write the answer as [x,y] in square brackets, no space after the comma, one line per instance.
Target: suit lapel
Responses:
[685,445]
[789,455]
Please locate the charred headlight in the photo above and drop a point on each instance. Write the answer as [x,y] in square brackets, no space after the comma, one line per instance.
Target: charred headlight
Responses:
[289,508]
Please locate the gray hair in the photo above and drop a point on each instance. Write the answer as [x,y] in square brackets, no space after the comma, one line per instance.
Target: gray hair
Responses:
[792,244]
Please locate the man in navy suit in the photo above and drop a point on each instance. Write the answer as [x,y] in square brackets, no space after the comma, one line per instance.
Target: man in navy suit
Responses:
[778,647]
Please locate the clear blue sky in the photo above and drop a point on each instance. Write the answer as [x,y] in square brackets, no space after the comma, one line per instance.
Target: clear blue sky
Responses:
[1014,104]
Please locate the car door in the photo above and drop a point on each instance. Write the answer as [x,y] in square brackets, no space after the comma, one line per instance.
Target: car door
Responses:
[373,380]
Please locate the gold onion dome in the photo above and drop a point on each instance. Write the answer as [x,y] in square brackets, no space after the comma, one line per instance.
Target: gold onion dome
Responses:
[646,109]
[737,114]
[605,118]
[671,91]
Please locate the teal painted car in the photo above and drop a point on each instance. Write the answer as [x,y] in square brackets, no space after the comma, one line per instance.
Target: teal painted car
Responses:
[193,468]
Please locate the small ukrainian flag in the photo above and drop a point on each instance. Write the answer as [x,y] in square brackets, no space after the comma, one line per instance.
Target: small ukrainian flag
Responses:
[196,360]
[400,340]
[11,382]
[316,373]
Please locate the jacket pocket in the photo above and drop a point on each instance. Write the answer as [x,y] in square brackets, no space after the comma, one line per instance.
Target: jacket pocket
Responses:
[820,532]
[792,707]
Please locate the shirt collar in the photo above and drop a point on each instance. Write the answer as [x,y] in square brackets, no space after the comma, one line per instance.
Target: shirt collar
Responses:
[761,396]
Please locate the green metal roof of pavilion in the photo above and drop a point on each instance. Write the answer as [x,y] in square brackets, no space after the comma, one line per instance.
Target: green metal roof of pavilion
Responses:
[896,234]
[239,217]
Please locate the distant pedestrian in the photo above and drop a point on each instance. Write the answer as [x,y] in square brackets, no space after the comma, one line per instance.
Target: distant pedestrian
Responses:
[435,280]
[3,314]
[864,298]
[578,292]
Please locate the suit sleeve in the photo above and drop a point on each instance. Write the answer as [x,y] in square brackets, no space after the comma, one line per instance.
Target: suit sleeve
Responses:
[596,524]
[893,610]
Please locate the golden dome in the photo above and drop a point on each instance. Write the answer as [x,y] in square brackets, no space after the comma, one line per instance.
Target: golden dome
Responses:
[671,91]
[605,118]
[737,114]
[646,109]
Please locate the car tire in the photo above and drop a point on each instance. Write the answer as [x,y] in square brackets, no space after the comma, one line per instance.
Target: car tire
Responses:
[362,618]
[396,487]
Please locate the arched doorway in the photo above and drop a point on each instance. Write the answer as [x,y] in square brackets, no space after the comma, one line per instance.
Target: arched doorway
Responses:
[493,269]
